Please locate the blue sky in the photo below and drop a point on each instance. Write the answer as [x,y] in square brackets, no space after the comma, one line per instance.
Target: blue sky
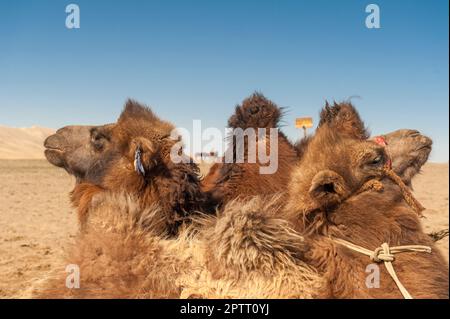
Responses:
[197,59]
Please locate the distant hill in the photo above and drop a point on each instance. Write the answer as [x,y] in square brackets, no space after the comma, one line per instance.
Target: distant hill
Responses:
[23,143]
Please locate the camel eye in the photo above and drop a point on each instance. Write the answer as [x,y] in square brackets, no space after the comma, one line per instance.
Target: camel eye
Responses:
[377,160]
[97,140]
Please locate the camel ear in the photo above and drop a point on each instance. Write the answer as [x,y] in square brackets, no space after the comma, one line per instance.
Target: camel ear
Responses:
[327,189]
[145,155]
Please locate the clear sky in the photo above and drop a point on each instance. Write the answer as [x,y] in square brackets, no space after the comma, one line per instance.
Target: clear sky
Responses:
[197,59]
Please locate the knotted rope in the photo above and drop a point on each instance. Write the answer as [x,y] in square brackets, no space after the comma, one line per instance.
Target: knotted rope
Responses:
[386,254]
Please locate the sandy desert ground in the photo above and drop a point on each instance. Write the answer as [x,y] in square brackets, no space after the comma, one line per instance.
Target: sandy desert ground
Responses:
[37,222]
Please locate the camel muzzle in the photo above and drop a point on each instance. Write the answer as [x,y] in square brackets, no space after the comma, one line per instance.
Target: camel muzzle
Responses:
[54,151]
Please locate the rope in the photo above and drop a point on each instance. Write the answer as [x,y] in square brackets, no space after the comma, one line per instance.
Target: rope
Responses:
[406,192]
[386,254]
[376,185]
[388,171]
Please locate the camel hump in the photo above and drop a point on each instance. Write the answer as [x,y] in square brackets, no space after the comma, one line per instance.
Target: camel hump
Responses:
[256,111]
[344,118]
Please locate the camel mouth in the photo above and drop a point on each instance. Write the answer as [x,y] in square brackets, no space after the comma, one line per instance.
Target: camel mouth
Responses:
[54,156]
[53,149]
[425,148]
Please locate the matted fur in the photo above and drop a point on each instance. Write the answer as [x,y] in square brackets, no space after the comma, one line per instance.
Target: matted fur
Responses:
[123,253]
[250,252]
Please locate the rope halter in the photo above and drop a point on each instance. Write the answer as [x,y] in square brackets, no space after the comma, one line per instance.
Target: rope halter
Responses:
[386,254]
[389,172]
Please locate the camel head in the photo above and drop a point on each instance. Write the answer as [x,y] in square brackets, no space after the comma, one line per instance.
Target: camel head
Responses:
[334,166]
[340,160]
[135,144]
[409,151]
[131,156]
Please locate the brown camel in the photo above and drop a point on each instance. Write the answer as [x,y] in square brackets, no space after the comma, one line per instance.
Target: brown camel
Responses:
[130,197]
[340,190]
[131,156]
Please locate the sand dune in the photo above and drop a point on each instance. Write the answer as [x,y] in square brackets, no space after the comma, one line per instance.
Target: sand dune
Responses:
[23,143]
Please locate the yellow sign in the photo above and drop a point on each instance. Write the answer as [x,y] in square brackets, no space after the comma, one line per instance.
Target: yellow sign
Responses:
[303,122]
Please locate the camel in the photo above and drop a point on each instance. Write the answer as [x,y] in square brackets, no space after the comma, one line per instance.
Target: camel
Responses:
[124,170]
[341,194]
[131,156]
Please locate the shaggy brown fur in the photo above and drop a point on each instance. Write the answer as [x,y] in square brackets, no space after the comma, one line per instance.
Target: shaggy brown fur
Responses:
[102,159]
[124,252]
[256,255]
[325,201]
[121,253]
[344,118]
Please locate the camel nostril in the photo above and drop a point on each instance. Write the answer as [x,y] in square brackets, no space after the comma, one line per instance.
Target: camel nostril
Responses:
[426,142]
[53,142]
[49,141]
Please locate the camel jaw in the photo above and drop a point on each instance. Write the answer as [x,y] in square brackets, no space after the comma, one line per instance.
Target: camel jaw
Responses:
[53,153]
[54,157]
